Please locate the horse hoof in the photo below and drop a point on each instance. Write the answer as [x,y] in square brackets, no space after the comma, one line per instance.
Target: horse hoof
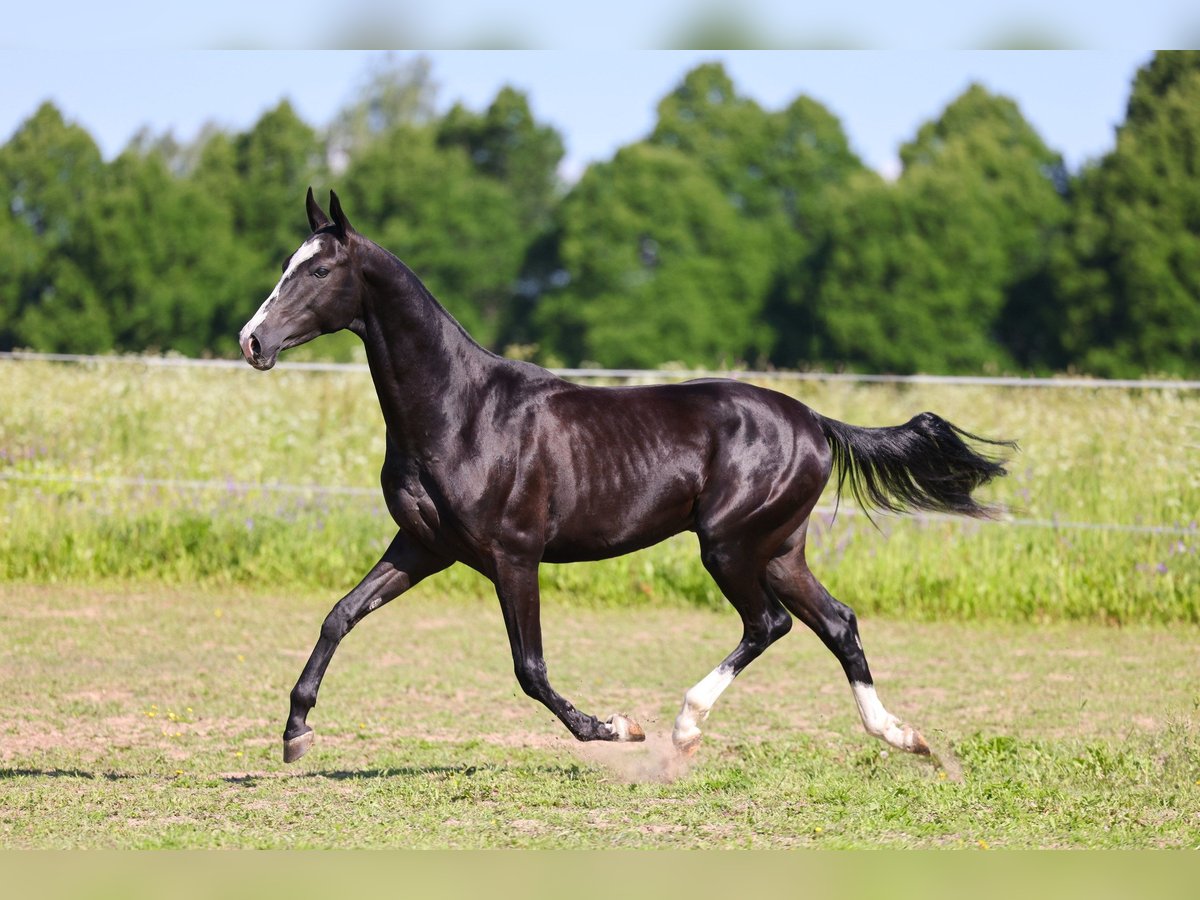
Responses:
[624,728]
[918,745]
[688,748]
[294,748]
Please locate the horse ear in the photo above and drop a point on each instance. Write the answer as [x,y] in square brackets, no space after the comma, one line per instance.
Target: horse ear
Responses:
[316,216]
[339,217]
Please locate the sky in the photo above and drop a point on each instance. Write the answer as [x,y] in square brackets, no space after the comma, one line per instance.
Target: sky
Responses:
[598,100]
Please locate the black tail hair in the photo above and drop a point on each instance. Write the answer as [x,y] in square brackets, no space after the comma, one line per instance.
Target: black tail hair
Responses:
[923,464]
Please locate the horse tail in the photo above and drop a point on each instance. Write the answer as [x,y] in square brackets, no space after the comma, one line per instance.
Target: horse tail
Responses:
[924,464]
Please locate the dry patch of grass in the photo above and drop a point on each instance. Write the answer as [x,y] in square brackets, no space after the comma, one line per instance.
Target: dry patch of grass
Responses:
[153,719]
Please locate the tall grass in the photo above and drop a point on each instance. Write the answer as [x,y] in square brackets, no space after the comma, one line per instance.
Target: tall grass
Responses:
[1106,457]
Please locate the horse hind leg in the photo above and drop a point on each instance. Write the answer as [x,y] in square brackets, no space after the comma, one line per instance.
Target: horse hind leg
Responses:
[836,625]
[764,621]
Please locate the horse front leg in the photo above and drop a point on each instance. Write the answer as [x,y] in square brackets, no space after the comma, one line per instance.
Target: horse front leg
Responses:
[517,588]
[403,564]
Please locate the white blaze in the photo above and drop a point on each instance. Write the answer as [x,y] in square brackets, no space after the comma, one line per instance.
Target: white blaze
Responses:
[308,250]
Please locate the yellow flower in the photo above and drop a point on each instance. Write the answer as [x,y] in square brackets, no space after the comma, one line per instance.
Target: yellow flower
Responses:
[983,845]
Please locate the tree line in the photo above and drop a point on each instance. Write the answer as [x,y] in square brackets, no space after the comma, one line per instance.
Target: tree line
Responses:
[731,234]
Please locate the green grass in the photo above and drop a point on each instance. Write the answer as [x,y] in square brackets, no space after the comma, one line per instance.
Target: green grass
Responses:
[142,717]
[1116,457]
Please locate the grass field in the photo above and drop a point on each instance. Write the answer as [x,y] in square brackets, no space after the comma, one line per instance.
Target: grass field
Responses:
[152,630]
[151,718]
[1100,457]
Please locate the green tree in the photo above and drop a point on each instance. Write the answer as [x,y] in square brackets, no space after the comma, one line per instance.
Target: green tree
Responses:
[248,189]
[458,230]
[22,258]
[276,161]
[50,175]
[777,170]
[394,93]
[772,165]
[661,267]
[507,143]
[946,270]
[166,259]
[1129,273]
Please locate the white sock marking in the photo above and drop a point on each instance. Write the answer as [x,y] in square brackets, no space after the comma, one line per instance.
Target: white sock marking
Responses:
[878,721]
[698,701]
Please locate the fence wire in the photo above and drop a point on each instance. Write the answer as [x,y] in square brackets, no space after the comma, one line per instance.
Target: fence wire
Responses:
[179,362]
[174,362]
[829,512]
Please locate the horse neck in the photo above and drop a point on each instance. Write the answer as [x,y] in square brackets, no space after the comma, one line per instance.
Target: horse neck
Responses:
[424,364]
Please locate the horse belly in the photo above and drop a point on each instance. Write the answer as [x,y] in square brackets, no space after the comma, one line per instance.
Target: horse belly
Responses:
[611,519]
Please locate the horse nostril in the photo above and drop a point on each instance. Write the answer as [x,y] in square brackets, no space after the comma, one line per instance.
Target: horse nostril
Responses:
[255,347]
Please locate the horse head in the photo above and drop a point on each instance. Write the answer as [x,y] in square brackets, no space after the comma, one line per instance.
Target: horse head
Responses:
[320,291]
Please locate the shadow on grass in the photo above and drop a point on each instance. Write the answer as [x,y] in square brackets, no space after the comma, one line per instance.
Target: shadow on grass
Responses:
[567,772]
[61,773]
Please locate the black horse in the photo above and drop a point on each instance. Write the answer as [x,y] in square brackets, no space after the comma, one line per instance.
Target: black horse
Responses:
[500,465]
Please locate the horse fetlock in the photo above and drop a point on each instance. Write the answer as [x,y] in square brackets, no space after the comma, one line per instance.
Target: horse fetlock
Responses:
[902,736]
[687,728]
[697,703]
[882,724]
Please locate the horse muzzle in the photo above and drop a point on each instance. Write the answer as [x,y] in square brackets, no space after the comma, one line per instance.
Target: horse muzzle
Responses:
[259,355]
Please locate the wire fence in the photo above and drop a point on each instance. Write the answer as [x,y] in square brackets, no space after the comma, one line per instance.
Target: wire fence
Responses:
[191,485]
[1192,529]
[649,374]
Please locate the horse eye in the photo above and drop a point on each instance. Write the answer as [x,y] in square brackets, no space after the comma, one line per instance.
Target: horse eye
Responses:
[321,272]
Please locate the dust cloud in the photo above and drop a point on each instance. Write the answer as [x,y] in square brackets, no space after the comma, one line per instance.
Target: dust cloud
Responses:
[653,761]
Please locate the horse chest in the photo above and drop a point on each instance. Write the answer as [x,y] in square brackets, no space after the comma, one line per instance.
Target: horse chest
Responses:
[408,498]
[423,504]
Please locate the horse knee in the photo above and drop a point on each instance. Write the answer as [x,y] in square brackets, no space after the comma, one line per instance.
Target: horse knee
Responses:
[335,627]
